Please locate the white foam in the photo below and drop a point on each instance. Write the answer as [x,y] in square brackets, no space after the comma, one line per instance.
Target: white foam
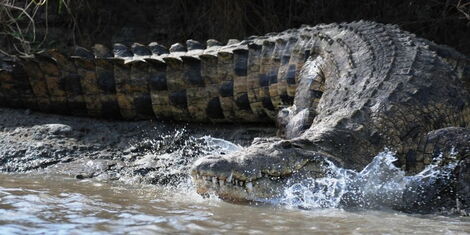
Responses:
[379,185]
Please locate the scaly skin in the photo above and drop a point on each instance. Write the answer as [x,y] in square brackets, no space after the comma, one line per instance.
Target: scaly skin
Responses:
[365,87]
[351,90]
[221,83]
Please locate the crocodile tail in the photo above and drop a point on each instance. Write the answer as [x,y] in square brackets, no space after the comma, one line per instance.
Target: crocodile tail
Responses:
[236,82]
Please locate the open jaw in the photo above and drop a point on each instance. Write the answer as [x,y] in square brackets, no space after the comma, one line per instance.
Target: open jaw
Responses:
[260,172]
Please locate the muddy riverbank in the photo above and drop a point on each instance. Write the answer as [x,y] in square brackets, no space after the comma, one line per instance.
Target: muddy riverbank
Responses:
[109,150]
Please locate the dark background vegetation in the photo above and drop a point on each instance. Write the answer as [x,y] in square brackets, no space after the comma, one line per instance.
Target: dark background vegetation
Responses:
[30,25]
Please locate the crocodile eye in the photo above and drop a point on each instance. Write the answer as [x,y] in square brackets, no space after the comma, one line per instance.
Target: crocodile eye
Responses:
[286,145]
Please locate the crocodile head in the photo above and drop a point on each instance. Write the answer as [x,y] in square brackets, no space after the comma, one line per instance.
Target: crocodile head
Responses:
[261,171]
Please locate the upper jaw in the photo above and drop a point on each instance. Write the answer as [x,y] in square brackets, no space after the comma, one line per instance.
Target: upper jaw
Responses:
[232,189]
[249,164]
[259,171]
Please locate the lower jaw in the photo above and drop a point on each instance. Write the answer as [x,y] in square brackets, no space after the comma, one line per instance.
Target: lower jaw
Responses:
[223,194]
[226,194]
[235,195]
[262,190]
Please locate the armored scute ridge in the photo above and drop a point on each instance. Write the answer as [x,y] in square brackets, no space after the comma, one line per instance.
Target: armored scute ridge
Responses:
[246,81]
[342,92]
[355,89]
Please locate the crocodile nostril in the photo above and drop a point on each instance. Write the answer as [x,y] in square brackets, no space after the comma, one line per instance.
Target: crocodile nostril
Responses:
[297,146]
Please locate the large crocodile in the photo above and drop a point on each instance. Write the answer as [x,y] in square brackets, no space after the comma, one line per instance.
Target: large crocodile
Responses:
[338,92]
[362,87]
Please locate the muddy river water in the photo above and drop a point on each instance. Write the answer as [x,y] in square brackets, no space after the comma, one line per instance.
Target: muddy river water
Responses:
[45,204]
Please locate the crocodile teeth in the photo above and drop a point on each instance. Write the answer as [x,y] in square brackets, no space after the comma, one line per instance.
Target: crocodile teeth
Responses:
[241,183]
[221,182]
[229,179]
[214,180]
[249,187]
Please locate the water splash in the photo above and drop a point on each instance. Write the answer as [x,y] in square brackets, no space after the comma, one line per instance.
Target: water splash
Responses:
[379,185]
[318,193]
[182,186]
[166,159]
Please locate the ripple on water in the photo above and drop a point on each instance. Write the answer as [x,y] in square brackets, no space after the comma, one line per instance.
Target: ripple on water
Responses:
[44,204]
[84,208]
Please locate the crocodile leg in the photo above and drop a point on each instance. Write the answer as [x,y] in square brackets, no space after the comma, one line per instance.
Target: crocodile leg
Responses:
[442,147]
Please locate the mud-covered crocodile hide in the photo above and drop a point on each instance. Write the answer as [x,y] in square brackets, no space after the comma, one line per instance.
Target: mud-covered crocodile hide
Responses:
[340,91]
